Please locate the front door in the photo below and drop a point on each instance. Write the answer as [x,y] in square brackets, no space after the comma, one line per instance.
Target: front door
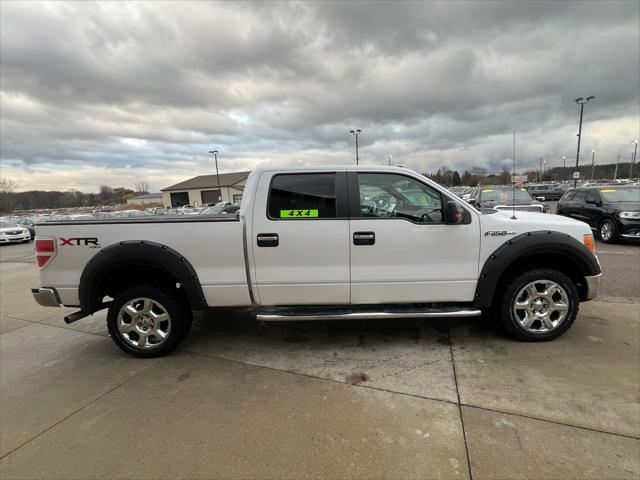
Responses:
[301,240]
[402,251]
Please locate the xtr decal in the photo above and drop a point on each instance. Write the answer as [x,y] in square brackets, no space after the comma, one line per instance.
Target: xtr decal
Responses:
[91,242]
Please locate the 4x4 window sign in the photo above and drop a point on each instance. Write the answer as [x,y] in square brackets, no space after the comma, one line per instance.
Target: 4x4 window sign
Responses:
[298,213]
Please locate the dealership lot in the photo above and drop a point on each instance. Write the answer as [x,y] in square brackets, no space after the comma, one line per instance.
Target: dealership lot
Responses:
[394,399]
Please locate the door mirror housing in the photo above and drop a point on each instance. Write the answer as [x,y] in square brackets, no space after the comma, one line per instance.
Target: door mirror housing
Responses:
[455,214]
[540,199]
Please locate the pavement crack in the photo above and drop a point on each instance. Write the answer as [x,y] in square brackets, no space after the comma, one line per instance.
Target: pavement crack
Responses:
[78,410]
[455,378]
[54,326]
[414,395]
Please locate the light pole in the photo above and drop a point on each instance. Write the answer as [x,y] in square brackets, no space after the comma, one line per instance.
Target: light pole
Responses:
[593,161]
[633,160]
[580,101]
[390,156]
[356,133]
[215,157]
[541,171]
[564,161]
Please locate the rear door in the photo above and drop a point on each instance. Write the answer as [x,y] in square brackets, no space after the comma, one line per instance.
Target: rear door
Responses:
[576,206]
[300,239]
[592,208]
[402,251]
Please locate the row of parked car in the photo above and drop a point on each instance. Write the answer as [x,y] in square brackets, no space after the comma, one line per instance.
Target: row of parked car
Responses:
[21,229]
[611,210]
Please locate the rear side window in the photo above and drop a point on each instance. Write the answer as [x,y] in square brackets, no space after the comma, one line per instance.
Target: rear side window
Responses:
[568,195]
[580,196]
[303,196]
[591,195]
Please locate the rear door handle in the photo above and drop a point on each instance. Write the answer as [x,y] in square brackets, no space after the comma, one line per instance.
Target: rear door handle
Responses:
[268,240]
[364,238]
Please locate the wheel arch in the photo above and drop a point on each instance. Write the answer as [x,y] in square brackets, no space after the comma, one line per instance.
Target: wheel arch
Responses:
[132,262]
[534,250]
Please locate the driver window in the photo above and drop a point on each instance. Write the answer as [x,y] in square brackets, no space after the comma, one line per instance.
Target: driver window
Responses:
[386,195]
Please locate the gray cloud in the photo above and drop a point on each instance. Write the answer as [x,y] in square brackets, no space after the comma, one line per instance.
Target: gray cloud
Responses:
[100,87]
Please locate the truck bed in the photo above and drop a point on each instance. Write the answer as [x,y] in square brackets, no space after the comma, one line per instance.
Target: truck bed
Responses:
[212,244]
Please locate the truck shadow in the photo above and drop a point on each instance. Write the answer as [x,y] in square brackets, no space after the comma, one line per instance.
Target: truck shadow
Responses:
[234,325]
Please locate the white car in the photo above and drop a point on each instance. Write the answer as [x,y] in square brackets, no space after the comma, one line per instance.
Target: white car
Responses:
[11,232]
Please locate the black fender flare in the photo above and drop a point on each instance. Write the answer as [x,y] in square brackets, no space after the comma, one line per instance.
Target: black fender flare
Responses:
[526,245]
[138,251]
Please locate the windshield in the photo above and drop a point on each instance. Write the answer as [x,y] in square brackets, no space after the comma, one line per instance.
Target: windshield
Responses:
[620,194]
[6,224]
[504,195]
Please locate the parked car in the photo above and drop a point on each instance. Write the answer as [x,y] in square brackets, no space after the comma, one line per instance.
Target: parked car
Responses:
[502,198]
[548,192]
[28,224]
[128,213]
[612,211]
[321,244]
[221,208]
[11,232]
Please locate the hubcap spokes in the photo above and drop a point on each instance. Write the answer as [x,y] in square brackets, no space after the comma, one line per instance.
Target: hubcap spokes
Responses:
[605,231]
[541,306]
[144,323]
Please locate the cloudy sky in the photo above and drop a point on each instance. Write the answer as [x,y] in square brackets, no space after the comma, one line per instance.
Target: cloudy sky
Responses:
[113,92]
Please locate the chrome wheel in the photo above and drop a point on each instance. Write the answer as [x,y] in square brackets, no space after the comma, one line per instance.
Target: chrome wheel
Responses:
[541,306]
[144,323]
[606,231]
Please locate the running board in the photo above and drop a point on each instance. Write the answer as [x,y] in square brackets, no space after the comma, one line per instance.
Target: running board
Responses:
[348,314]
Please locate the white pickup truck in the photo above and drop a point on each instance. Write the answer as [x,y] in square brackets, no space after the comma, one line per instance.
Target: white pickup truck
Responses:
[321,244]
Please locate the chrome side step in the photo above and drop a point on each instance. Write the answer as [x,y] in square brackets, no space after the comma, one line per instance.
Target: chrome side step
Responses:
[300,315]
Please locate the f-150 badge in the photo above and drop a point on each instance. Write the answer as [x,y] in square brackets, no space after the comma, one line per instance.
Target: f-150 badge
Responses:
[498,233]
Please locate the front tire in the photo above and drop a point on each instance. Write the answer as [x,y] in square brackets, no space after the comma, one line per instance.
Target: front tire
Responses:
[538,305]
[147,322]
[608,231]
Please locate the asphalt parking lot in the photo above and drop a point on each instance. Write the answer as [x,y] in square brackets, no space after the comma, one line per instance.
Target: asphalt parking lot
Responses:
[394,399]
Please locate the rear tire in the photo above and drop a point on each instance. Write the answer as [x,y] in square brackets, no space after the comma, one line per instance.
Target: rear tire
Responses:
[608,231]
[147,322]
[538,305]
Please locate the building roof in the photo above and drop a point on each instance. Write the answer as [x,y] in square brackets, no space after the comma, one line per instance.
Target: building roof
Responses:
[209,181]
[147,195]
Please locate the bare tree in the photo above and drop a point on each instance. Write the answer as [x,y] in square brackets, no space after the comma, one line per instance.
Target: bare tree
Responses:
[141,186]
[7,187]
[106,193]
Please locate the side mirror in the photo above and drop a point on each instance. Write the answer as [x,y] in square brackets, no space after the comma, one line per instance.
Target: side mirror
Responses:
[540,199]
[455,213]
[472,201]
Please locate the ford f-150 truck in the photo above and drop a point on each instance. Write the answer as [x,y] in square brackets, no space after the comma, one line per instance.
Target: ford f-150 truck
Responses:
[321,244]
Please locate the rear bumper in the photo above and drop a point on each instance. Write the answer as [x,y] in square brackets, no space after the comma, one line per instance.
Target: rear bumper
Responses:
[47,297]
[593,286]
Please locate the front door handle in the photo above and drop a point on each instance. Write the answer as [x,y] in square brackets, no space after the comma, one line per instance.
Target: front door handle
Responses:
[364,238]
[268,240]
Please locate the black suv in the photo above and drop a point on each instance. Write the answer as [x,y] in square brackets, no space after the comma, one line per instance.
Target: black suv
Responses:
[549,192]
[502,198]
[614,212]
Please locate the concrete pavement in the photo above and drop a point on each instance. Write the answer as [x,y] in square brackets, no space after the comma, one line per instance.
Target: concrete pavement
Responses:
[401,399]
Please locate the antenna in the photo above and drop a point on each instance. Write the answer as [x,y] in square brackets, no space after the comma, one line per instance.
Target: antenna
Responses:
[513,179]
